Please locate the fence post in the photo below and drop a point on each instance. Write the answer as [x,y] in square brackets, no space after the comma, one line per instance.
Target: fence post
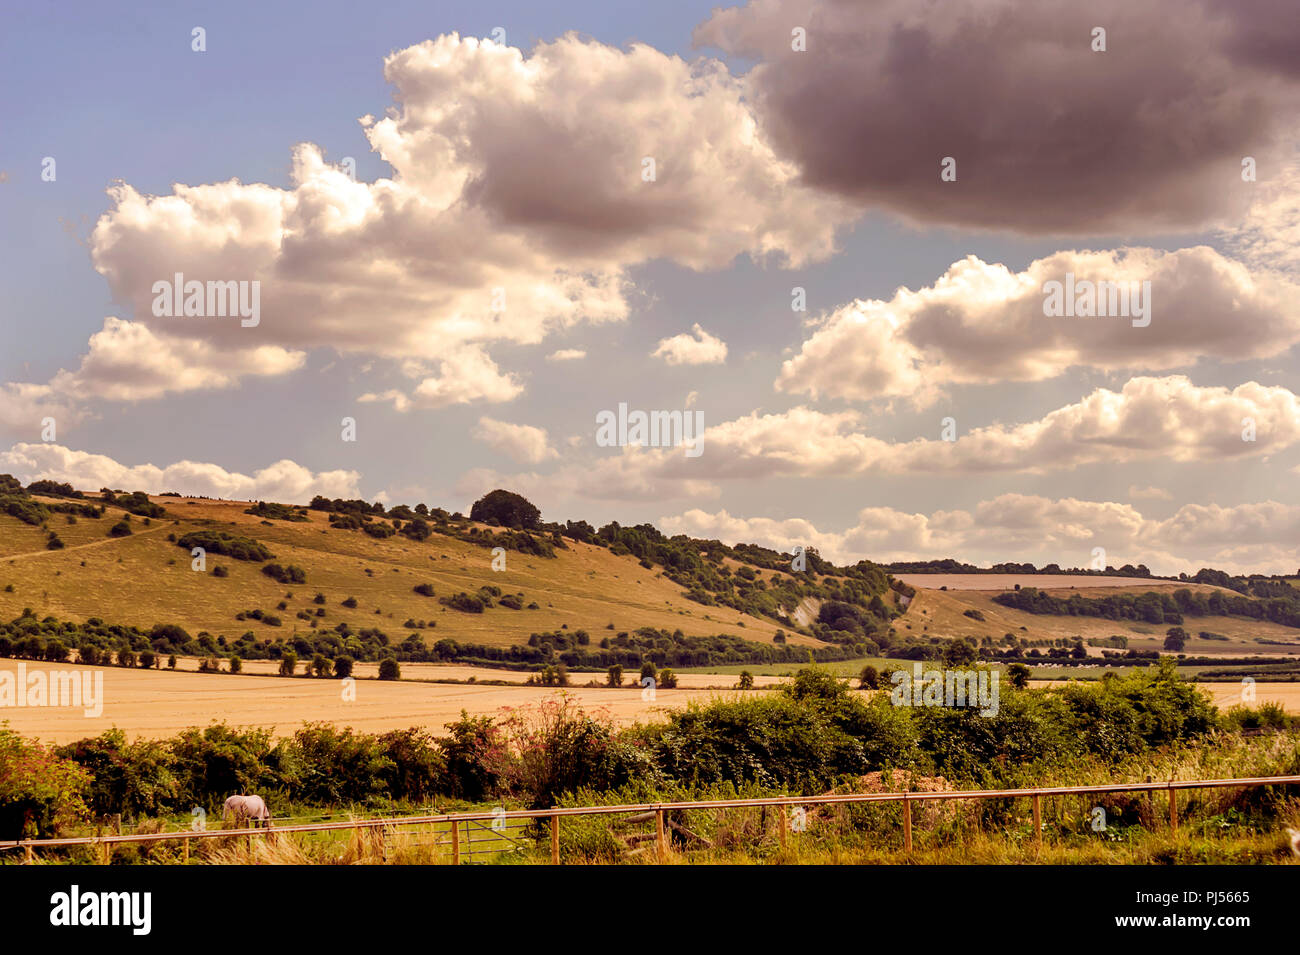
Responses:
[784,822]
[28,854]
[907,824]
[185,845]
[1173,807]
[661,846]
[555,840]
[455,844]
[1038,819]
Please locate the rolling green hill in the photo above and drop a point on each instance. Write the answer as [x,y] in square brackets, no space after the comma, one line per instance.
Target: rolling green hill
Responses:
[343,573]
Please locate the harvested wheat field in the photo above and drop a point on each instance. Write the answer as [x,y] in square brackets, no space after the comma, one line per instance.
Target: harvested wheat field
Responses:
[158,703]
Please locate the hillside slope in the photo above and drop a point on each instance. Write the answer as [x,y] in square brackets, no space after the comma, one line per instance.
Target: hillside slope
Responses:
[145,579]
[136,571]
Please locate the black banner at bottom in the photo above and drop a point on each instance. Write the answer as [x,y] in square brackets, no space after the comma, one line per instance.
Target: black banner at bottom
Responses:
[147,904]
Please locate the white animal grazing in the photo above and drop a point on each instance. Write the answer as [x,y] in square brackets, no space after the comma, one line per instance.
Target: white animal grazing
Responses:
[247,808]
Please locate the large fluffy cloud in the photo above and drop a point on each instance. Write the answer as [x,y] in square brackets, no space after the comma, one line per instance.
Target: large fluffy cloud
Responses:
[1257,537]
[1049,136]
[523,188]
[282,481]
[982,323]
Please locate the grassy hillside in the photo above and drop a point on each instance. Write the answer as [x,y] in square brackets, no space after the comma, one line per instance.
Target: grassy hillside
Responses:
[145,579]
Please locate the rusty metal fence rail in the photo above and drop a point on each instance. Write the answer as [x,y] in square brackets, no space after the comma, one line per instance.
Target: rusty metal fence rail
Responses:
[473,821]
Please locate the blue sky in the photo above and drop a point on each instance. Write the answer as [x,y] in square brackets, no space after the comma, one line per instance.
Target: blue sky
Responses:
[1050,467]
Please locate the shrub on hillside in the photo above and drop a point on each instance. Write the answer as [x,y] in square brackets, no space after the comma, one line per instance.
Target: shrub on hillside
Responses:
[275,512]
[417,530]
[285,575]
[137,502]
[228,545]
[465,603]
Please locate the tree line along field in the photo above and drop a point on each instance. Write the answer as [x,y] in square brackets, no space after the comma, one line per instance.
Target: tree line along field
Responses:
[949,613]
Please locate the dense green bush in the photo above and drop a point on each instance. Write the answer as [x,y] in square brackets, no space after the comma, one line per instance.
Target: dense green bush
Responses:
[465,603]
[41,793]
[276,512]
[229,545]
[285,575]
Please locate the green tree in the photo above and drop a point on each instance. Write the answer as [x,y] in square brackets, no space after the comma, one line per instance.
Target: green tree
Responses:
[389,669]
[1018,674]
[615,675]
[1175,639]
[507,509]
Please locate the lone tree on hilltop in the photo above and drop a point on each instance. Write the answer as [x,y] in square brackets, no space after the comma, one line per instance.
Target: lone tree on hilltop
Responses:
[506,509]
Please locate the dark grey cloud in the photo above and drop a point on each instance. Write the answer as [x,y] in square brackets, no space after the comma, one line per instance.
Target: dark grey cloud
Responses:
[1050,137]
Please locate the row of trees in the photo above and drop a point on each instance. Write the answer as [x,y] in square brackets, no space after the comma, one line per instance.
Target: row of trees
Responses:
[1159,608]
